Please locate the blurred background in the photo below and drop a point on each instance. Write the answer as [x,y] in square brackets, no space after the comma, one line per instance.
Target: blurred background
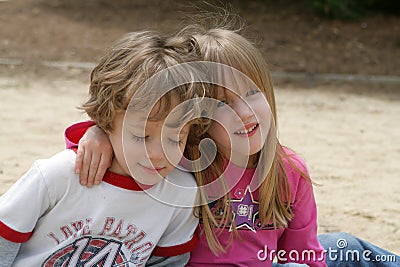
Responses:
[310,36]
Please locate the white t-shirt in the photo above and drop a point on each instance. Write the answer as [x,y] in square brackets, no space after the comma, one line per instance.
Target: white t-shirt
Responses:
[62,223]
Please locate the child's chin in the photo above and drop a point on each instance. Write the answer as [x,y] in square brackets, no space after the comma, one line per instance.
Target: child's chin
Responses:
[148,180]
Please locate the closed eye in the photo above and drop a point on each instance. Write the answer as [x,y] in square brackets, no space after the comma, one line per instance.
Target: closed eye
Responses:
[174,142]
[252,92]
[138,138]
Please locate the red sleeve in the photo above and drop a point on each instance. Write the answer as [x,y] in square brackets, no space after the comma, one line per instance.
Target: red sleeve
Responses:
[12,235]
[178,249]
[75,132]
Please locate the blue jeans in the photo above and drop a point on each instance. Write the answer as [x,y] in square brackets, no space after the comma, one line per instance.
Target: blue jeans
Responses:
[343,250]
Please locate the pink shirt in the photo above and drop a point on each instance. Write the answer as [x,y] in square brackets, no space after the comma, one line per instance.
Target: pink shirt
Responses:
[257,246]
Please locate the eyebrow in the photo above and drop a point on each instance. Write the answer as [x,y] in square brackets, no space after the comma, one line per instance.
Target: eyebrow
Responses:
[174,127]
[169,126]
[137,122]
[133,125]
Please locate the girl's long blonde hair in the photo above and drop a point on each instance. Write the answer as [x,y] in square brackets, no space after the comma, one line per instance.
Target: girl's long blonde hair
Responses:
[222,45]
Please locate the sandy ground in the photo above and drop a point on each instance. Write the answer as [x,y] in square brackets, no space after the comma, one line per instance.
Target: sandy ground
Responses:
[349,140]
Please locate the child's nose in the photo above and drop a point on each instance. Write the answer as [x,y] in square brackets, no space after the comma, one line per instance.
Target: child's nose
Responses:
[155,150]
[243,110]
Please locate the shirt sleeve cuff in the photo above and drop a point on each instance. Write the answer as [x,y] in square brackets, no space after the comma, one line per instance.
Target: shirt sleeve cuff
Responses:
[12,235]
[177,249]
[74,133]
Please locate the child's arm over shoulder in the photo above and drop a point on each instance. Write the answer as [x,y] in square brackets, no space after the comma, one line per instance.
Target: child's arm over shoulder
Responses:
[94,154]
[8,252]
[301,234]
[74,133]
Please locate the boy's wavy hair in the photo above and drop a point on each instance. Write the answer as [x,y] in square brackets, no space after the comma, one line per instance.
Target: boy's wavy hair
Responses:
[219,37]
[130,63]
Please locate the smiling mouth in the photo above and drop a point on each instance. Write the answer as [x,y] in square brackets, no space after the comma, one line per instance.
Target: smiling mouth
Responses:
[248,130]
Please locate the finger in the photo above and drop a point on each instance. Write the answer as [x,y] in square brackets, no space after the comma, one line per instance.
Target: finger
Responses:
[79,159]
[87,158]
[105,163]
[93,167]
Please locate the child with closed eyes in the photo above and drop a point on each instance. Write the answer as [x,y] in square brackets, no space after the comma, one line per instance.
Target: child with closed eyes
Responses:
[267,208]
[48,219]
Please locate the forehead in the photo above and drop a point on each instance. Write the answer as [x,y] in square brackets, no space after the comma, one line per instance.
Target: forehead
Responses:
[225,93]
[155,128]
[152,106]
[168,112]
[229,81]
[163,107]
[150,127]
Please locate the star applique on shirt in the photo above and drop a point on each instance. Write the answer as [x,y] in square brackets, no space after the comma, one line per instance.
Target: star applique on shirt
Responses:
[245,211]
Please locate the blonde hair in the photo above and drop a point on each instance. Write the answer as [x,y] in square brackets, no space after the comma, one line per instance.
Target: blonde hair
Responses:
[129,64]
[222,45]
